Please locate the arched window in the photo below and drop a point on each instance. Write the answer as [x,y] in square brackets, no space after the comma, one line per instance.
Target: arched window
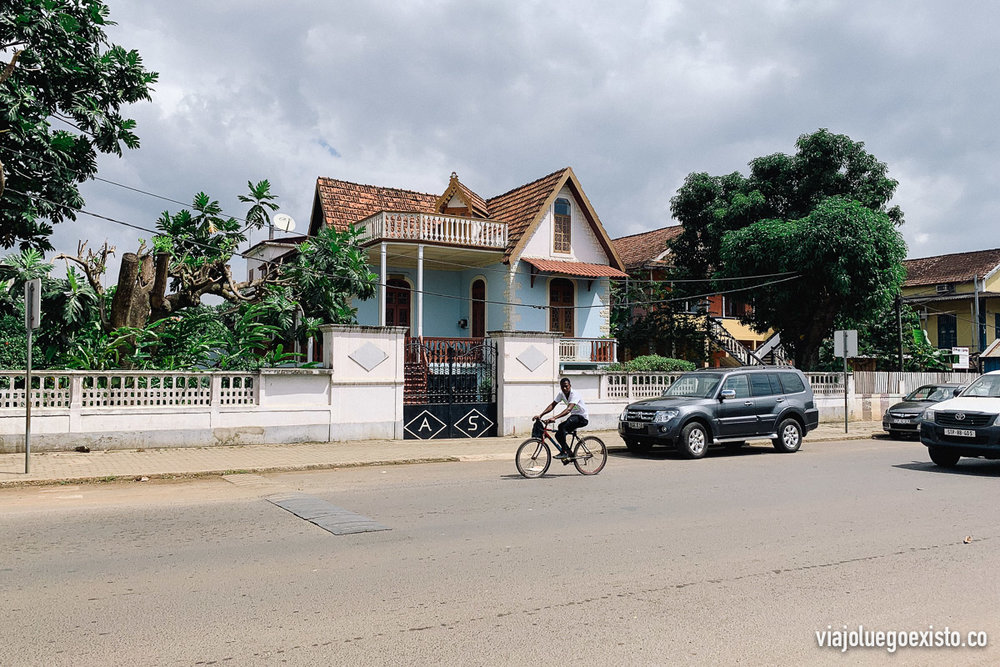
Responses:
[397,304]
[563,224]
[561,311]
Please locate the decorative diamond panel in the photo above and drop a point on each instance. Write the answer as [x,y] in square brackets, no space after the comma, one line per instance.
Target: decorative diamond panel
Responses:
[532,358]
[368,356]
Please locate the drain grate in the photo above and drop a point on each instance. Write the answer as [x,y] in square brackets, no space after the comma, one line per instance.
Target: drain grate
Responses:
[328,517]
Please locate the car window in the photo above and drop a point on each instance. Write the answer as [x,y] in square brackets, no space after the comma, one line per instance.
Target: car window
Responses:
[921,393]
[986,385]
[760,384]
[791,383]
[941,393]
[694,386]
[739,384]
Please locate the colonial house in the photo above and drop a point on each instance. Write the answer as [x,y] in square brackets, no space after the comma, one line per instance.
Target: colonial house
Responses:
[455,265]
[647,257]
[953,293]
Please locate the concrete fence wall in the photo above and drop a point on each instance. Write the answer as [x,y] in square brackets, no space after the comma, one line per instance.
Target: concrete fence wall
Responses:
[357,395]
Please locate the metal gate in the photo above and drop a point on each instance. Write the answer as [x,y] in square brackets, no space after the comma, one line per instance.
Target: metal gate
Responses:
[450,388]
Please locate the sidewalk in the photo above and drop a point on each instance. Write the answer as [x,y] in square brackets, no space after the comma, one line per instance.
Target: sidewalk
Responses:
[108,465]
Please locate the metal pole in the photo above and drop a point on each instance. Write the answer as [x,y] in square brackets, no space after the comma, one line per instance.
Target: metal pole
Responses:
[845,381]
[27,410]
[899,328]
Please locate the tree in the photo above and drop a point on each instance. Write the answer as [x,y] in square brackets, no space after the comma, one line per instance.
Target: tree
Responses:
[849,261]
[646,319]
[825,183]
[61,69]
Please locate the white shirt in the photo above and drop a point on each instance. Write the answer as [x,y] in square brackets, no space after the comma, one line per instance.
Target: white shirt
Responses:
[574,402]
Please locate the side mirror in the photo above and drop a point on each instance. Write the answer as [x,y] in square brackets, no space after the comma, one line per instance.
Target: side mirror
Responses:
[958,390]
[727,393]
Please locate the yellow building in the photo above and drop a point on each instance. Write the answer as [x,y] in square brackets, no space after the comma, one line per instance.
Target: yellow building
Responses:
[954,292]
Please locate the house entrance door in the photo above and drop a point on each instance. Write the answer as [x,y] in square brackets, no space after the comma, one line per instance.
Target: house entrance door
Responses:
[478,309]
[397,304]
[561,311]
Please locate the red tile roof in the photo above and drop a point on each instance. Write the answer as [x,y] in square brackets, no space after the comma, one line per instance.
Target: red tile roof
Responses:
[344,203]
[955,268]
[578,269]
[638,250]
[520,207]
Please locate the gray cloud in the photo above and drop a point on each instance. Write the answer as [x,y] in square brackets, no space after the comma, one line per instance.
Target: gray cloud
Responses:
[632,95]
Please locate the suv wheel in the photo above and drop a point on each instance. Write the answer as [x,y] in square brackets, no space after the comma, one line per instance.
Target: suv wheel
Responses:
[694,441]
[943,457]
[789,436]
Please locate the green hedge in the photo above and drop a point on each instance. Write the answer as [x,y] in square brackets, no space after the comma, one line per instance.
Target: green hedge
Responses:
[651,363]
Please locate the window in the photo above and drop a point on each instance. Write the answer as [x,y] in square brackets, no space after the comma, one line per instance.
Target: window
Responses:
[561,240]
[760,384]
[947,332]
[738,383]
[791,383]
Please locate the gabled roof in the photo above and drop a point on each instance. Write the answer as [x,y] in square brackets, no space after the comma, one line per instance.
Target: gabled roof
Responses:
[342,203]
[473,201]
[641,250]
[954,268]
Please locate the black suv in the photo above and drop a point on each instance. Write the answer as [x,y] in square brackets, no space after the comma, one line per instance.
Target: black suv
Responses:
[725,406]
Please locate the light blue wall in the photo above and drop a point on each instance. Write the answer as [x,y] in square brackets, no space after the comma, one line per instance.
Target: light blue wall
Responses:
[442,313]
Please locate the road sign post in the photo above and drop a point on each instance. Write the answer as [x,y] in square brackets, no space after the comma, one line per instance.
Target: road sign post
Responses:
[32,318]
[845,344]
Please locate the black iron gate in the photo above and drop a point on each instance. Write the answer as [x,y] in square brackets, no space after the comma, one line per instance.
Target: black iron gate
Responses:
[450,389]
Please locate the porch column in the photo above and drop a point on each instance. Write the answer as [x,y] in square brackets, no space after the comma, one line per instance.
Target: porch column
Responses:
[420,291]
[381,286]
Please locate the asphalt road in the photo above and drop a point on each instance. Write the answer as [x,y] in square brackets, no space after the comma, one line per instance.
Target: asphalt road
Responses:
[734,559]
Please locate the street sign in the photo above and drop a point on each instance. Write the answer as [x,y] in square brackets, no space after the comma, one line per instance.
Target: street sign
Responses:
[845,340]
[32,303]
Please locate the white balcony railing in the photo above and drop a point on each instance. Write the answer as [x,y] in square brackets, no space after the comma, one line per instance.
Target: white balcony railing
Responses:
[432,228]
[588,350]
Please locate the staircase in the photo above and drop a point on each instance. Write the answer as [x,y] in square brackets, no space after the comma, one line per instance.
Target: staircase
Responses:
[725,341]
[772,351]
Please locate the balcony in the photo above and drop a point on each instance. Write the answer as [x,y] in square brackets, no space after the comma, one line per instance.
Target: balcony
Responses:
[591,351]
[433,228]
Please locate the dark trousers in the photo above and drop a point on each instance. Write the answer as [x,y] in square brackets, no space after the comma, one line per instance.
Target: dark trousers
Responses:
[571,423]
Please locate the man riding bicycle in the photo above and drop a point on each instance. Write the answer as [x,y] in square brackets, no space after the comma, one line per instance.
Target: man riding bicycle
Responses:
[575,408]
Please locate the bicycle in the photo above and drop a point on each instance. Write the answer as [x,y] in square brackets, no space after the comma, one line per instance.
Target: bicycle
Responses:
[534,455]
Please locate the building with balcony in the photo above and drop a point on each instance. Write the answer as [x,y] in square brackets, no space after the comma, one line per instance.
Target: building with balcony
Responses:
[455,265]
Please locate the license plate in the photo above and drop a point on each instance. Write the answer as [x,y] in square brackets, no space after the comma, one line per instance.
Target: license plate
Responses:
[961,432]
[900,421]
[636,425]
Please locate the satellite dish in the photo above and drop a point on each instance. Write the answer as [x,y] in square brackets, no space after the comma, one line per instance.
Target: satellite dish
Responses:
[283,221]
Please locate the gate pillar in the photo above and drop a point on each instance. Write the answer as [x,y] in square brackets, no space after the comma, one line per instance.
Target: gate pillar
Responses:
[366,383]
[528,376]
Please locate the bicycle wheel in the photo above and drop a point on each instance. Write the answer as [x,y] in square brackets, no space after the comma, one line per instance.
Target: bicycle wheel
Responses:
[533,458]
[590,455]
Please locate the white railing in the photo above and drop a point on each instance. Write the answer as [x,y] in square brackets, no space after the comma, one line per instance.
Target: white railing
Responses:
[447,229]
[635,386]
[825,384]
[125,389]
[590,350]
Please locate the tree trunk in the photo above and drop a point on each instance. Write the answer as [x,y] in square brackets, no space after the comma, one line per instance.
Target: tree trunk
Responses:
[130,305]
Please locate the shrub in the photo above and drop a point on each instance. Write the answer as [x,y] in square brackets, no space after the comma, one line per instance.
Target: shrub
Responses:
[651,363]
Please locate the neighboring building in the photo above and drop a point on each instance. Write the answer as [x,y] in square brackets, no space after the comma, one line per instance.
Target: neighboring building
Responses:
[647,257]
[455,265]
[953,292]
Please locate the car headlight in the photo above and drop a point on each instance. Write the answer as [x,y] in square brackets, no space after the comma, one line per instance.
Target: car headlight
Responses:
[928,415]
[996,422]
[621,417]
[663,416]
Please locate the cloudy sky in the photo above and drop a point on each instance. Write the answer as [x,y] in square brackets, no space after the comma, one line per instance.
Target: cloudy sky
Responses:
[632,95]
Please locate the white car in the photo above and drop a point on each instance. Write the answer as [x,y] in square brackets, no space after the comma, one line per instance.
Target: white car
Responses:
[967,425]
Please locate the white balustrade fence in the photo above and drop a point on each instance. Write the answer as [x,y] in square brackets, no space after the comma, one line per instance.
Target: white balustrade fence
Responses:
[64,389]
[434,228]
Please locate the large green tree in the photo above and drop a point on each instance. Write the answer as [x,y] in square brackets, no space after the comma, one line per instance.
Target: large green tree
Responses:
[62,90]
[848,259]
[783,216]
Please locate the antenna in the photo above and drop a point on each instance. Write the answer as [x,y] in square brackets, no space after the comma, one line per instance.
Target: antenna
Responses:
[282,221]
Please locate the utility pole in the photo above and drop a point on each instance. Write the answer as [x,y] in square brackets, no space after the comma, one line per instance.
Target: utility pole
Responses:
[899,327]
